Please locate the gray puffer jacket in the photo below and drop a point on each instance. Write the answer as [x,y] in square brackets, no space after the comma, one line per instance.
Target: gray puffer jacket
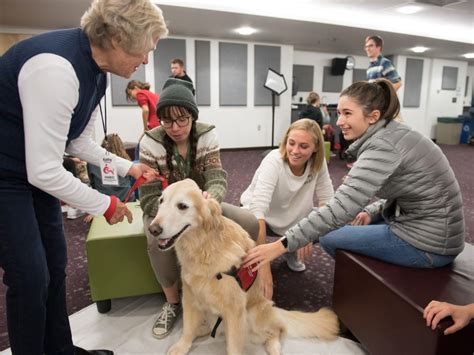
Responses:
[422,199]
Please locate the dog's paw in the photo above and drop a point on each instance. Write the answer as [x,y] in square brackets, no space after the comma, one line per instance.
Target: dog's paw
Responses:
[180,348]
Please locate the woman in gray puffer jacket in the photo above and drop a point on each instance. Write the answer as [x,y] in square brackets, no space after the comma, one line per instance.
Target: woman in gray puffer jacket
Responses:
[418,220]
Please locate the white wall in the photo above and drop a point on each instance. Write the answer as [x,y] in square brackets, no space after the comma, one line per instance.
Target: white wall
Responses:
[319,61]
[416,117]
[237,126]
[250,126]
[434,102]
[440,102]
[468,99]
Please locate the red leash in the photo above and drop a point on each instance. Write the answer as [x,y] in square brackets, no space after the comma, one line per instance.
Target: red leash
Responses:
[141,180]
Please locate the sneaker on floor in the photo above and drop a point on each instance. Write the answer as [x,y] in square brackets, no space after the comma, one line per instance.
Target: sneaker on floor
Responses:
[293,263]
[73,213]
[166,320]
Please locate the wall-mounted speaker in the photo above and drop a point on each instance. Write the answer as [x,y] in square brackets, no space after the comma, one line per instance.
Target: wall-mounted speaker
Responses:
[338,66]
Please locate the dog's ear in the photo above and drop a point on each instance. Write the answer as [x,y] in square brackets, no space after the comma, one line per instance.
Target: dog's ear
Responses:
[214,207]
[212,218]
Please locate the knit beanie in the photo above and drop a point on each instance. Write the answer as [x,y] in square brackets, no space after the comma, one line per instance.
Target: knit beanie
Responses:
[177,92]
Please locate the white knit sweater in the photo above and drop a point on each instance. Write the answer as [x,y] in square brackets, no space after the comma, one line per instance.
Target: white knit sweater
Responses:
[281,198]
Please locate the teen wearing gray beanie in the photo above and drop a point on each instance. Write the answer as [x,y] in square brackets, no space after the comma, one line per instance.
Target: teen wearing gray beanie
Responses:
[177,92]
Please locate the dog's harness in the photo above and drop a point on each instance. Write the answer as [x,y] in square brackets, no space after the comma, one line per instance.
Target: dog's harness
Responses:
[244,276]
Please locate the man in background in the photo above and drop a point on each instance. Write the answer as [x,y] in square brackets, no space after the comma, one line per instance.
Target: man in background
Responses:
[380,67]
[177,70]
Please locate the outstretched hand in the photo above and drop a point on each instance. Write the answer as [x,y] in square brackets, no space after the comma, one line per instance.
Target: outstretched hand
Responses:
[139,169]
[264,253]
[121,211]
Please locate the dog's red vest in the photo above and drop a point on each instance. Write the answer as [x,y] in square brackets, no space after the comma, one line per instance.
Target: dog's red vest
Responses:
[245,277]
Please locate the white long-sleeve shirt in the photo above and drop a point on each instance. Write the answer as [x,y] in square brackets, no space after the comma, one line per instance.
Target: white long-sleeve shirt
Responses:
[49,91]
[281,198]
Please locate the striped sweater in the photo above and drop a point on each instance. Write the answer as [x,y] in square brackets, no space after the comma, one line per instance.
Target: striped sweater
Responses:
[207,172]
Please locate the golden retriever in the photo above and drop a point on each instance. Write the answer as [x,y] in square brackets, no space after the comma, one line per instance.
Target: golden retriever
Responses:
[207,244]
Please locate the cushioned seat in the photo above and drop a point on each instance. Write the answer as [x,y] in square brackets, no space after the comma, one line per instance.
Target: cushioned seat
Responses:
[327,150]
[118,260]
[382,304]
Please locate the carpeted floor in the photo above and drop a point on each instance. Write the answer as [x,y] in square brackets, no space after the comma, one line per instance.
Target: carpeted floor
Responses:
[309,290]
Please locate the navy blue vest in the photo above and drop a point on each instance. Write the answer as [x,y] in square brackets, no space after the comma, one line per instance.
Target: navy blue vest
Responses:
[71,44]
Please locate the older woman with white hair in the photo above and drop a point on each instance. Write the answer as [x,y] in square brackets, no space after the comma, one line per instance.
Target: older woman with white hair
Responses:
[51,87]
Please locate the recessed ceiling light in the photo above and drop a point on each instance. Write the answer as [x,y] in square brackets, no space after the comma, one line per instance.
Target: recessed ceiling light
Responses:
[409,9]
[246,31]
[468,55]
[419,49]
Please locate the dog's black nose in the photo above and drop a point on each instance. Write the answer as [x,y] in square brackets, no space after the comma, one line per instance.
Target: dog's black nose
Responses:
[155,230]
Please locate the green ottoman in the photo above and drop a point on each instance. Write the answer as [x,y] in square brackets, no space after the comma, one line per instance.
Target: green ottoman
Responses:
[327,151]
[118,260]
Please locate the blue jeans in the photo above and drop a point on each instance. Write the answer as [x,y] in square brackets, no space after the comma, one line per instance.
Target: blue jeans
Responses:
[33,255]
[379,242]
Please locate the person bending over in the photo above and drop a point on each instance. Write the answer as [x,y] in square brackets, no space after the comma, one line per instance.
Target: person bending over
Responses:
[140,93]
[51,87]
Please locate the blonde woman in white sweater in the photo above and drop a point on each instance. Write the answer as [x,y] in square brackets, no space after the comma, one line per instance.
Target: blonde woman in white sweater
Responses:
[282,189]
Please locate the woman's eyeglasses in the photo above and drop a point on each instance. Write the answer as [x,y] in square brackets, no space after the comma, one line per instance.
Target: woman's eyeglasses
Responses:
[180,121]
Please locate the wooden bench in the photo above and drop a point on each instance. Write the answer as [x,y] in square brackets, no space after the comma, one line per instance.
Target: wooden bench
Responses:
[382,304]
[118,260]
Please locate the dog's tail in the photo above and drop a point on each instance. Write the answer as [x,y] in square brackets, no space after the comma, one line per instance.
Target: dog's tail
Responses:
[322,324]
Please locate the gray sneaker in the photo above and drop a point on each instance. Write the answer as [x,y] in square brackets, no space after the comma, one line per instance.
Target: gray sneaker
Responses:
[166,320]
[293,263]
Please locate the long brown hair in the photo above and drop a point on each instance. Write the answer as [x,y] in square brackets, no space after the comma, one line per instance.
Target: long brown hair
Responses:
[378,95]
[114,145]
[311,127]
[132,84]
[169,143]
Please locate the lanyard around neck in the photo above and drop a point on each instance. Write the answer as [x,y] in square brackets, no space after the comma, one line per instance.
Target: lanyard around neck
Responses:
[103,115]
